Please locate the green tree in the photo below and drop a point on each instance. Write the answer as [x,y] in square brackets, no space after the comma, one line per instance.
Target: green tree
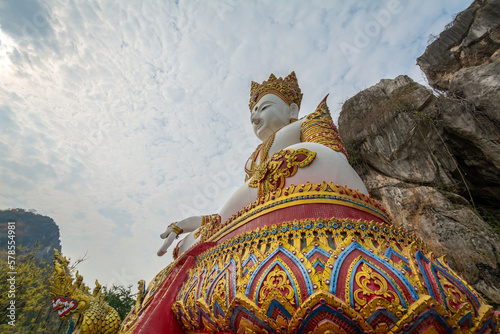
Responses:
[121,298]
[27,282]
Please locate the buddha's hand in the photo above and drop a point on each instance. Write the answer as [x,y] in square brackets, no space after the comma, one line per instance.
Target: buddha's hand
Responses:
[173,230]
[170,234]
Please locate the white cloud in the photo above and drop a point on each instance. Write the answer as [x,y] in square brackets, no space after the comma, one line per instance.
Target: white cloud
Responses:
[115,116]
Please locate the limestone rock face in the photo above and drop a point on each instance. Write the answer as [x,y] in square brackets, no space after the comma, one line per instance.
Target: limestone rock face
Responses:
[472,40]
[479,85]
[385,121]
[431,161]
[464,63]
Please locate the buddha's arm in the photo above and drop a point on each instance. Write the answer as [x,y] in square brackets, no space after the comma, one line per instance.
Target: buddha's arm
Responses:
[173,230]
[240,198]
[186,225]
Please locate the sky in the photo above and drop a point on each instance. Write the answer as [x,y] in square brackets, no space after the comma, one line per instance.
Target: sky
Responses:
[118,117]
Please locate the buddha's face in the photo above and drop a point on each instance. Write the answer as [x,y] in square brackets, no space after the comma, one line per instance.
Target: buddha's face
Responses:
[270,114]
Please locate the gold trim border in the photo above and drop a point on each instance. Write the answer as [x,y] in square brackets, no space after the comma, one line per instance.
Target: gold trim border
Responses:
[295,195]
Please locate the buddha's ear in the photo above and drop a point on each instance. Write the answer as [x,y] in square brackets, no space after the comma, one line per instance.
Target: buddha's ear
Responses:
[294,110]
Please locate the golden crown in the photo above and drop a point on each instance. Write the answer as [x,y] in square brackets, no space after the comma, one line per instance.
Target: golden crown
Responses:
[287,89]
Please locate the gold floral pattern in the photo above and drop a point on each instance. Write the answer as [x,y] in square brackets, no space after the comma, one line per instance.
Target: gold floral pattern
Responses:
[259,293]
[271,174]
[208,225]
[366,278]
[278,280]
[220,294]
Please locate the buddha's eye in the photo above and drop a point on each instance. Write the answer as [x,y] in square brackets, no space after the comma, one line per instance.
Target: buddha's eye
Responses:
[264,108]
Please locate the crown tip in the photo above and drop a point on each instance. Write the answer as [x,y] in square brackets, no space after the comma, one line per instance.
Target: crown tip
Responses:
[272,77]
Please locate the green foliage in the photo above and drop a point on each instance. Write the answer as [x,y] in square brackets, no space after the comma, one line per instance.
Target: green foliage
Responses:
[400,101]
[490,215]
[120,298]
[353,150]
[33,310]
[448,188]
[404,106]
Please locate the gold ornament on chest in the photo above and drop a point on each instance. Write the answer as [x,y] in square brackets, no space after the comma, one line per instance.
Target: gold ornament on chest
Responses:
[261,153]
[270,175]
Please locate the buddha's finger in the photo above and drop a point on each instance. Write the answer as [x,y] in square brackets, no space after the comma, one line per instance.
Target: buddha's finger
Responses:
[165,234]
[168,241]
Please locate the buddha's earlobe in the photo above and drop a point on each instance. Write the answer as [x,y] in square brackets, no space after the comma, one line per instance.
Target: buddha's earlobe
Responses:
[294,111]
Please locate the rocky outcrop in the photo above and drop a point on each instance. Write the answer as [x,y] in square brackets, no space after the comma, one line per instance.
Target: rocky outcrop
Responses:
[479,85]
[407,132]
[473,39]
[464,63]
[434,161]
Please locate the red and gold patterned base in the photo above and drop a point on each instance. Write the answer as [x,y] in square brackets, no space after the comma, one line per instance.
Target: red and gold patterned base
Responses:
[283,265]
[315,276]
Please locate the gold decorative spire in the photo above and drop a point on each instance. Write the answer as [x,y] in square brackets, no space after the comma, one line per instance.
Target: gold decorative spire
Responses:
[318,127]
[287,89]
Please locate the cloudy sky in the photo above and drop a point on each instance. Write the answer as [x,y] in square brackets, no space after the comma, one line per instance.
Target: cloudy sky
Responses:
[119,117]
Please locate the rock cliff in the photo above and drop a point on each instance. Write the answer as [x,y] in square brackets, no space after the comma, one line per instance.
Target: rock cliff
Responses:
[33,232]
[434,160]
[473,39]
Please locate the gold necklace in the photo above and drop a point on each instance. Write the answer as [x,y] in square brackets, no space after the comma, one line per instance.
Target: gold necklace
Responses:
[263,150]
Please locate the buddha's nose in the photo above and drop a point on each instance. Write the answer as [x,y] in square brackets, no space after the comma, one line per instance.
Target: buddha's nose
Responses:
[255,118]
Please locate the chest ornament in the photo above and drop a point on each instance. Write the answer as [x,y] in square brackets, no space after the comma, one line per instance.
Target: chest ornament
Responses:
[270,175]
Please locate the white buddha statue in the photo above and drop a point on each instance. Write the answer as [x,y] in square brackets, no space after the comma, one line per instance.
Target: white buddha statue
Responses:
[301,247]
[274,107]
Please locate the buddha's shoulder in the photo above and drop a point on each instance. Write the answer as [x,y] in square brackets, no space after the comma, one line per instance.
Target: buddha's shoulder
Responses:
[289,132]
